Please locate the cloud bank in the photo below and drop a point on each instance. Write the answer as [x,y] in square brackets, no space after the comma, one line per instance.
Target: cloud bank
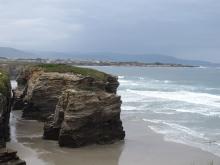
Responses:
[184,28]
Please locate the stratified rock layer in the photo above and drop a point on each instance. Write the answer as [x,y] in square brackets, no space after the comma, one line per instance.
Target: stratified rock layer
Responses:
[41,90]
[85,117]
[80,106]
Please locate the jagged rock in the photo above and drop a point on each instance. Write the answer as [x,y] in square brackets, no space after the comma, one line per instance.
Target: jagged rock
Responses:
[85,117]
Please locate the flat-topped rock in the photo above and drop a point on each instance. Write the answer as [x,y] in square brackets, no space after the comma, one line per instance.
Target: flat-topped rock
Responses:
[42,87]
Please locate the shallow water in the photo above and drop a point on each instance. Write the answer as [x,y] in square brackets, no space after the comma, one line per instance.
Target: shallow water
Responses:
[26,138]
[181,103]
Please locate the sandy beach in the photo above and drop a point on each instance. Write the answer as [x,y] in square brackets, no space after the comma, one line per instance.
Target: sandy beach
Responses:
[141,146]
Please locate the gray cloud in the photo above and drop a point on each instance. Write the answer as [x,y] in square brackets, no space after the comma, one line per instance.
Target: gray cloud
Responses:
[184,28]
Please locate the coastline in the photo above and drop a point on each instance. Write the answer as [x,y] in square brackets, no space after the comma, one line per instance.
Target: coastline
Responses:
[142,146]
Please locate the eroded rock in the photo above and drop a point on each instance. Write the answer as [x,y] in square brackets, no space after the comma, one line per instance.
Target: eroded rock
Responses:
[41,90]
[80,106]
[85,117]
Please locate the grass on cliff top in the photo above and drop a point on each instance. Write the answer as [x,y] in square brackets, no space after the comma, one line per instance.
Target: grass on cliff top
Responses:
[63,68]
[4,83]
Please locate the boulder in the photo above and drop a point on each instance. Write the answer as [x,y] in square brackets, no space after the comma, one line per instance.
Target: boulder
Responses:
[9,157]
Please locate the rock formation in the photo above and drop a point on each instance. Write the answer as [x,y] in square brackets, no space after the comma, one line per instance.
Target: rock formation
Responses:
[7,156]
[85,117]
[5,107]
[41,89]
[80,106]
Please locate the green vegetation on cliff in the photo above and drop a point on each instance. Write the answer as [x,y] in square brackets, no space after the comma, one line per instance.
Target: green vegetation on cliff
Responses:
[4,83]
[62,68]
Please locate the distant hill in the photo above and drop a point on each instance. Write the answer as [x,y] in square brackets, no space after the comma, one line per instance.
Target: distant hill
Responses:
[14,53]
[102,56]
[147,58]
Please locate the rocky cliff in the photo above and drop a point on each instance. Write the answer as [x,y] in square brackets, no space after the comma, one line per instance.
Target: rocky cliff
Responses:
[5,96]
[42,86]
[7,156]
[80,106]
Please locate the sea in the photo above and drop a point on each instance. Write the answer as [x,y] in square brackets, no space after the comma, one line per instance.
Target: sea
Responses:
[183,104]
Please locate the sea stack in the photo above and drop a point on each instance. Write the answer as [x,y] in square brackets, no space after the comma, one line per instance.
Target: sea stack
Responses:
[79,105]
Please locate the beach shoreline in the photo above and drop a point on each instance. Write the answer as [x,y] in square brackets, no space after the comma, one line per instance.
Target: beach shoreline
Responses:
[142,146]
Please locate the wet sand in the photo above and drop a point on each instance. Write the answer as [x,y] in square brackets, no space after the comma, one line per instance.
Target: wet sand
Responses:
[141,147]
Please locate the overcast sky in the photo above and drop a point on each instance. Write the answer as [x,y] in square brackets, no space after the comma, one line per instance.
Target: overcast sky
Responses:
[181,28]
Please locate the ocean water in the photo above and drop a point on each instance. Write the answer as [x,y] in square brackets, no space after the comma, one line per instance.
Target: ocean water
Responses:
[183,104]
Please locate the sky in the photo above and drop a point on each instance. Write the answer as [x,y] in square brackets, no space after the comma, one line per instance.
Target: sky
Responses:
[181,28]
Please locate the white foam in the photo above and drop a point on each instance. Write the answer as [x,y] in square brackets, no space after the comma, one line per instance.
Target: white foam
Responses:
[121,77]
[128,108]
[185,96]
[201,111]
[176,128]
[14,84]
[141,78]
[202,67]
[181,134]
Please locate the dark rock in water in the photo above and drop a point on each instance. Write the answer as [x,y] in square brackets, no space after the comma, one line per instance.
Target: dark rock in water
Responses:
[85,117]
[9,157]
[51,131]
[17,99]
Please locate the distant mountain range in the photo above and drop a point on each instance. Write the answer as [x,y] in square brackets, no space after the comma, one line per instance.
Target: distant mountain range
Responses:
[102,56]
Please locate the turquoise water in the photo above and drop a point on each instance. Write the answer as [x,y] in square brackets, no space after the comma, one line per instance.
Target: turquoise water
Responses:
[183,104]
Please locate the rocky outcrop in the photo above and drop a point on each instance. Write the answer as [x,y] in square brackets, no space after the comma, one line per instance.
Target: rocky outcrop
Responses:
[41,89]
[80,106]
[7,156]
[85,117]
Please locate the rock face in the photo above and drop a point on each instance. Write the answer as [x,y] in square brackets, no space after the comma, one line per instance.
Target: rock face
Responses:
[41,90]
[80,106]
[5,108]
[7,156]
[85,117]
